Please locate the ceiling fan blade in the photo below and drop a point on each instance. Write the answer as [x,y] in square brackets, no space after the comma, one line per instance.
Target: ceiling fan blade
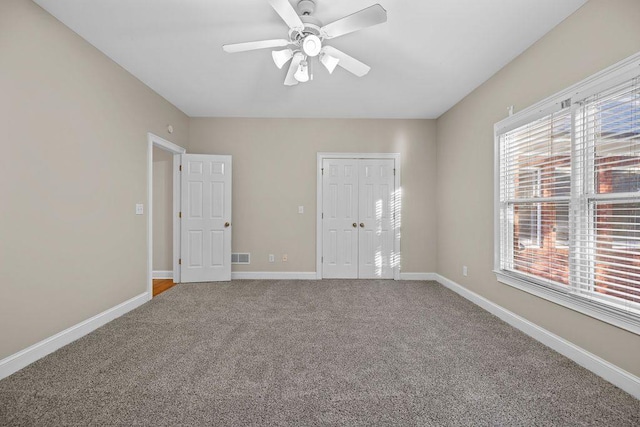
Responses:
[287,13]
[264,44]
[290,80]
[368,17]
[347,62]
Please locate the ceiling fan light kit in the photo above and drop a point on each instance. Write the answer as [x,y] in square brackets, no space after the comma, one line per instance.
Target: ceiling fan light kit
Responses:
[306,40]
[302,75]
[311,45]
[281,57]
[329,62]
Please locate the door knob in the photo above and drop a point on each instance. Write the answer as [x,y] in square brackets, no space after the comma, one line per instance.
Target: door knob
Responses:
[226,224]
[362,224]
[355,225]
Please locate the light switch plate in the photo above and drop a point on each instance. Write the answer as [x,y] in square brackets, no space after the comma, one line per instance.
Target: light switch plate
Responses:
[139,209]
[300,209]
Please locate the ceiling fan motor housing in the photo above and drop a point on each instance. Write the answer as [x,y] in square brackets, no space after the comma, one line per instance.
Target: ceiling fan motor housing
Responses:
[306,7]
[311,26]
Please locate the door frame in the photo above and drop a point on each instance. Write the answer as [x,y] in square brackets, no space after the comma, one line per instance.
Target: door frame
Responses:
[397,199]
[176,150]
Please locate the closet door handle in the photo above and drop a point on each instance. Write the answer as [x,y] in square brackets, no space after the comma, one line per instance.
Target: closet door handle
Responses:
[226,224]
[355,225]
[362,225]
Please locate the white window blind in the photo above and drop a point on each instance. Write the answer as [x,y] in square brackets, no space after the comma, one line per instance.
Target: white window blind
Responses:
[607,245]
[568,189]
[535,193]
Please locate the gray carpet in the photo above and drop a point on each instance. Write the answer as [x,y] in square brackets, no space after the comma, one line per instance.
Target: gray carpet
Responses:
[333,352]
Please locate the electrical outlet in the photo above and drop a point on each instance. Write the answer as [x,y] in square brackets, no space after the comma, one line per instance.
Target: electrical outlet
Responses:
[284,258]
[139,209]
[300,209]
[272,258]
[465,271]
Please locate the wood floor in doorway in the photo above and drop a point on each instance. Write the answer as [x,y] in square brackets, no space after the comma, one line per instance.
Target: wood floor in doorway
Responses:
[161,285]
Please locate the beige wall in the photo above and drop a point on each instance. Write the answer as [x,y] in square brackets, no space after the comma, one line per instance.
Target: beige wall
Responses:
[598,35]
[162,210]
[74,141]
[274,172]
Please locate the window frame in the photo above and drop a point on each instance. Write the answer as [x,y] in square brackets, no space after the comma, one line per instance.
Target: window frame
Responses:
[534,242]
[563,243]
[568,98]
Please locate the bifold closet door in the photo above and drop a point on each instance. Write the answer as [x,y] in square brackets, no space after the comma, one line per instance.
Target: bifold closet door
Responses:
[376,205]
[340,218]
[358,203]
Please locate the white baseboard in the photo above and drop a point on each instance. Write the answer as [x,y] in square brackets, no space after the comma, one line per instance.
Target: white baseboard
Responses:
[272,275]
[163,274]
[418,276]
[25,357]
[610,372]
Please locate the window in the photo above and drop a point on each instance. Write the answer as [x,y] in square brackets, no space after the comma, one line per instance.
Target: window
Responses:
[568,197]
[532,193]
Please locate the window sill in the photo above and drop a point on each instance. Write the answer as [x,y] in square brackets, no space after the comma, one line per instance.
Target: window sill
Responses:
[574,302]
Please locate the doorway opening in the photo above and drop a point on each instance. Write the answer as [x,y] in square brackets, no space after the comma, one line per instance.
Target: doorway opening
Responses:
[163,205]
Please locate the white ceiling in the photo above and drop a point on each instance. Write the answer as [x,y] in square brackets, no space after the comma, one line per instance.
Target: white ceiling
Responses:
[428,56]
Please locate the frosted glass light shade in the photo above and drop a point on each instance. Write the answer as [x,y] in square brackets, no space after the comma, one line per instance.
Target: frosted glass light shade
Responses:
[281,57]
[302,75]
[329,62]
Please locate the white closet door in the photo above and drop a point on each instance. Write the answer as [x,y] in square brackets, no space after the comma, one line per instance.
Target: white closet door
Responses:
[340,218]
[206,218]
[376,204]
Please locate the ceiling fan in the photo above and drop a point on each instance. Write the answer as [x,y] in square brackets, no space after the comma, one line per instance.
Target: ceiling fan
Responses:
[306,40]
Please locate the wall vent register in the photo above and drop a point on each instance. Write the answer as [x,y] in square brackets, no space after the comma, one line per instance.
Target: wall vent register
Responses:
[240,258]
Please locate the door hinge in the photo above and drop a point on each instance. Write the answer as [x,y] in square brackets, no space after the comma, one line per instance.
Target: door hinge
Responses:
[180,168]
[179,214]
[322,171]
[394,171]
[180,261]
[322,215]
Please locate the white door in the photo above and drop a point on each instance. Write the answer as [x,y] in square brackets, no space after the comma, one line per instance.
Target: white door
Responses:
[358,218]
[376,233]
[206,218]
[340,218]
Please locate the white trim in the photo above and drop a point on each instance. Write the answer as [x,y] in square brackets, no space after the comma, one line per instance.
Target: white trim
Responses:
[319,217]
[572,301]
[607,370]
[25,357]
[272,275]
[418,276]
[177,226]
[154,140]
[397,193]
[578,91]
[163,274]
